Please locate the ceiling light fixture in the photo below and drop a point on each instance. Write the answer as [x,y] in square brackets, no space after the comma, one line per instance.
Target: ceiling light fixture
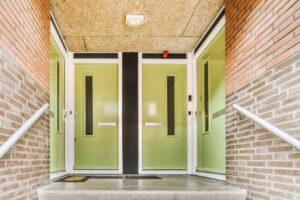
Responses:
[135,20]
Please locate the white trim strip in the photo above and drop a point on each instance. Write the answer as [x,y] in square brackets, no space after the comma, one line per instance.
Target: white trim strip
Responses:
[195,118]
[96,61]
[120,82]
[164,61]
[70,108]
[96,171]
[189,108]
[140,113]
[145,171]
[221,177]
[59,38]
[56,175]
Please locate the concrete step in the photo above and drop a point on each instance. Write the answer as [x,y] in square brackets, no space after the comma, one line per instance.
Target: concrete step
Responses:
[167,188]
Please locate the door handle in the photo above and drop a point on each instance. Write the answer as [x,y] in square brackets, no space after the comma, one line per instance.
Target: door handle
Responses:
[107,124]
[152,124]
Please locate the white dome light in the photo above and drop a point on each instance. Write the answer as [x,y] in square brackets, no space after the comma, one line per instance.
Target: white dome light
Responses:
[135,20]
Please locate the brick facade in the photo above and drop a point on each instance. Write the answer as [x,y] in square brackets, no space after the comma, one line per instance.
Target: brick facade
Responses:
[24,88]
[263,76]
[259,34]
[262,163]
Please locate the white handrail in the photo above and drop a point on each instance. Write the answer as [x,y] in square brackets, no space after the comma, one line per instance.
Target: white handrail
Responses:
[21,131]
[283,135]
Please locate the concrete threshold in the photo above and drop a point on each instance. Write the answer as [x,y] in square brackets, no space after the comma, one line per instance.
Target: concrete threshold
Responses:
[175,187]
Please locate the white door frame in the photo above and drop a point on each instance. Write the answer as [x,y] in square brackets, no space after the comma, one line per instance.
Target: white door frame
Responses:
[188,63]
[72,115]
[208,40]
[60,43]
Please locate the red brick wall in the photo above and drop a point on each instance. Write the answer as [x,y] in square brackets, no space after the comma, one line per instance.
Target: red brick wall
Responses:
[25,32]
[24,88]
[263,76]
[259,34]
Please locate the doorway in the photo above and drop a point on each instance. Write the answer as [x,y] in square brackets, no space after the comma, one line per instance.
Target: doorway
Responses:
[57,106]
[97,117]
[210,114]
[164,117]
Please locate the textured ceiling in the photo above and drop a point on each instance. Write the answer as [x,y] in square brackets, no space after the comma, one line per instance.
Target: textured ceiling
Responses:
[99,25]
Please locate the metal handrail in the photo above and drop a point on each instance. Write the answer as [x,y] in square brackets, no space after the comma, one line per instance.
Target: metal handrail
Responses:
[21,131]
[281,134]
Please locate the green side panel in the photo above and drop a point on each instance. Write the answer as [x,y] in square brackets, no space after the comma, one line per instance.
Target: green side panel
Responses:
[161,151]
[212,144]
[100,150]
[57,104]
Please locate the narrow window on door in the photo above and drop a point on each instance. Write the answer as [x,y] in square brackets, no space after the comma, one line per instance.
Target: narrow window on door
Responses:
[89,105]
[170,104]
[206,98]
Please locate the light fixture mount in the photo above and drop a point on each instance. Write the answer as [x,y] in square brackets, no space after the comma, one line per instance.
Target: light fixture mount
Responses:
[135,20]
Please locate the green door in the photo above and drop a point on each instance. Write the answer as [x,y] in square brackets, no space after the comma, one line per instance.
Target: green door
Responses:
[164,137]
[211,107]
[57,105]
[96,106]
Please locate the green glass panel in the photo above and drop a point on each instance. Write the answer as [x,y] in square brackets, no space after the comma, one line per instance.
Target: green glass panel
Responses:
[160,150]
[212,143]
[57,104]
[99,150]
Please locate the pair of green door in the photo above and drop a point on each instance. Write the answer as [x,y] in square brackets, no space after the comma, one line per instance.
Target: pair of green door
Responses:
[164,138]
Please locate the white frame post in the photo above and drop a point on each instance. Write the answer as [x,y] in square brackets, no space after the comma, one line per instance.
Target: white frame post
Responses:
[70,121]
[140,113]
[195,121]
[189,91]
[61,46]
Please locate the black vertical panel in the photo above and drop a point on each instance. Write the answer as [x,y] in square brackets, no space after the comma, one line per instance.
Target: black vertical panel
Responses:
[89,105]
[170,104]
[130,113]
[206,97]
